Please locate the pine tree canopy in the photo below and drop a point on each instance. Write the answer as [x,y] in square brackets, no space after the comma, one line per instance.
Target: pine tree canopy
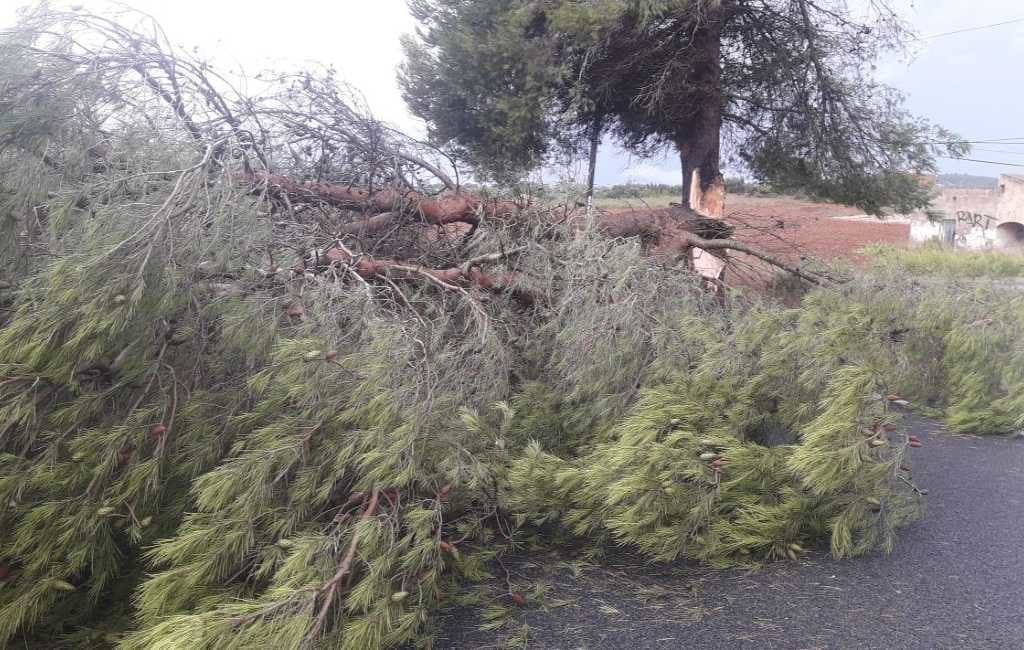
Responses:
[263,386]
[786,86]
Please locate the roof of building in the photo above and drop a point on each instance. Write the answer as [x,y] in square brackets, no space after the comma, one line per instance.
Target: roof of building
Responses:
[1012,177]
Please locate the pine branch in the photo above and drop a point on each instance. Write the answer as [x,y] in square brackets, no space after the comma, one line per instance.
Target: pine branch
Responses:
[741,247]
[344,569]
[448,279]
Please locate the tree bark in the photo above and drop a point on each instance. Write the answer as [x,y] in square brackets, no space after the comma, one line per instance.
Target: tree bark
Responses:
[595,144]
[685,159]
[469,273]
[439,211]
[699,139]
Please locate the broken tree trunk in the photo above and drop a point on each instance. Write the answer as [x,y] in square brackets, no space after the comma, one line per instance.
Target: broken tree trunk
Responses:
[699,139]
[672,233]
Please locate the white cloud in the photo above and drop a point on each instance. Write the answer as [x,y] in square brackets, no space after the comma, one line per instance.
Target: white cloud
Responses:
[360,39]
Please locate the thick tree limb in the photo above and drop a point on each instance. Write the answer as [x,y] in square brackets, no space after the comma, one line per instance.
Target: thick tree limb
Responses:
[452,279]
[446,209]
[387,206]
[371,225]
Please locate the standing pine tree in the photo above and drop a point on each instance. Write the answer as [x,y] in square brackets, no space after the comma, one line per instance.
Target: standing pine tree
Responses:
[787,85]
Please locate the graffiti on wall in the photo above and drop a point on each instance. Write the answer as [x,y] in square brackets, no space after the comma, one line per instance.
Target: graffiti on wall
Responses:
[974,219]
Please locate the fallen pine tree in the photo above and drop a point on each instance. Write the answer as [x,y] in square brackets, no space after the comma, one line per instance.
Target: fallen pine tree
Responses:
[230,418]
[666,235]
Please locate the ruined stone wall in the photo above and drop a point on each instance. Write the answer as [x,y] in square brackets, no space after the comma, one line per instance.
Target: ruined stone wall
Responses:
[1011,199]
[965,218]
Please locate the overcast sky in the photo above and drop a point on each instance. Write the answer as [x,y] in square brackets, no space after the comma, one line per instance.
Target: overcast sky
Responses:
[972,83]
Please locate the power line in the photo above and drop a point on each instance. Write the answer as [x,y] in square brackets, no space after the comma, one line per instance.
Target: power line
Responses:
[1003,141]
[1008,152]
[974,29]
[987,162]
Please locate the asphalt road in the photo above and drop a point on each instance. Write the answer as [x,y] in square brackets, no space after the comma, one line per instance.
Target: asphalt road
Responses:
[955,580]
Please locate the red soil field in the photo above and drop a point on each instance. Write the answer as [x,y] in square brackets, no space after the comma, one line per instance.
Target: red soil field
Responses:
[793,228]
[800,233]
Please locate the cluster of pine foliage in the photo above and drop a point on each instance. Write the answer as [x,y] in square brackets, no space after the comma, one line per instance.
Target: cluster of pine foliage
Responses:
[206,445]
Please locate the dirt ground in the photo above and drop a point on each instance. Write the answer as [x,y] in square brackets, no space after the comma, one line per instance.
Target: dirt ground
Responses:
[793,228]
[818,236]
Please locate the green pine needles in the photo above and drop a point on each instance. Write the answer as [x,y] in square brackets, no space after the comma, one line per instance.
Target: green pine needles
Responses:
[762,446]
[230,476]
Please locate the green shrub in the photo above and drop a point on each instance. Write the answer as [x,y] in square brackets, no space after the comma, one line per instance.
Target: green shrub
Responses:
[933,259]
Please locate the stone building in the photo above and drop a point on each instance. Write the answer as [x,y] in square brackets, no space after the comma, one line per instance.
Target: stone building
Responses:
[1010,212]
[975,218]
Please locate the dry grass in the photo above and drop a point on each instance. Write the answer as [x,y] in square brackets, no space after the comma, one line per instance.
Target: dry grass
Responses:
[642,203]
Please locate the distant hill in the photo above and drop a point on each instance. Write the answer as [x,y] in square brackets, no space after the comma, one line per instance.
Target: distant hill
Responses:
[967,181]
